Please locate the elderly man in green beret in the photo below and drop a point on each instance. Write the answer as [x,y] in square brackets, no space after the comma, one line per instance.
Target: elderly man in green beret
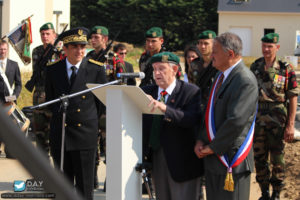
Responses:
[171,136]
[41,117]
[275,118]
[98,39]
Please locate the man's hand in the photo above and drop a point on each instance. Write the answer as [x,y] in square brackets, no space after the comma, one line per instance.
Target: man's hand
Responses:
[198,147]
[289,133]
[156,105]
[206,151]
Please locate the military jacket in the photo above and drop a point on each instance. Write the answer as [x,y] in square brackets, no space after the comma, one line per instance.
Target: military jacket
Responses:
[113,64]
[203,78]
[276,85]
[37,54]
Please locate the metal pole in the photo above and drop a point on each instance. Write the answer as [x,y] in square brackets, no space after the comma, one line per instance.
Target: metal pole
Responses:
[34,160]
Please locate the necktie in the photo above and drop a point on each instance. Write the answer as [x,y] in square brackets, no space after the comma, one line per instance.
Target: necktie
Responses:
[156,126]
[73,75]
[220,81]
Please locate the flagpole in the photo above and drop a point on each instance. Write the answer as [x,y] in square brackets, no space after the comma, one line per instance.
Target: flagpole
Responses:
[22,22]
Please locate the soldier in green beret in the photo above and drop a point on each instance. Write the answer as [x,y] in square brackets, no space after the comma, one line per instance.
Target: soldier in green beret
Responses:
[275,117]
[203,73]
[154,42]
[98,38]
[166,135]
[41,117]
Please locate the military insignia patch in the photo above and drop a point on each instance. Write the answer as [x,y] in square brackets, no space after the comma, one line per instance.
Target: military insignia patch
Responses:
[275,40]
[164,58]
[210,36]
[154,34]
[80,32]
[49,26]
[98,31]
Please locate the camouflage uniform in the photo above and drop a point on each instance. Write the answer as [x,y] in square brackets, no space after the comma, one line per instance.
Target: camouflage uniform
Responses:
[146,67]
[203,78]
[41,117]
[276,85]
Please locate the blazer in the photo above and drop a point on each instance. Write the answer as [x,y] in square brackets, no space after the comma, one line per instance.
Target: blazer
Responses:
[13,75]
[83,111]
[235,107]
[179,125]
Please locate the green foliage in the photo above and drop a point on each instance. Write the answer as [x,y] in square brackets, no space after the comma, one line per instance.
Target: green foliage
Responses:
[181,20]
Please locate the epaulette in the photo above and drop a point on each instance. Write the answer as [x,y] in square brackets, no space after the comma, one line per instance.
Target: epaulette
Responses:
[96,62]
[52,63]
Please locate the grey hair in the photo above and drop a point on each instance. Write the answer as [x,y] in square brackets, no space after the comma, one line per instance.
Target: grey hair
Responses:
[230,41]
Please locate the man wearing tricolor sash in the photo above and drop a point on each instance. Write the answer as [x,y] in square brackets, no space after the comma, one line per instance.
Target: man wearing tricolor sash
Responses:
[225,141]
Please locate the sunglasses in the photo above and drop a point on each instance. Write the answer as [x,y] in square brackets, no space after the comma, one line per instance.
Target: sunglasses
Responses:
[123,53]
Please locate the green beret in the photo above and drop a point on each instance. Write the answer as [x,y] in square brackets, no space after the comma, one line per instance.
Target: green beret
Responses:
[270,38]
[154,32]
[208,34]
[99,30]
[47,26]
[165,57]
[75,36]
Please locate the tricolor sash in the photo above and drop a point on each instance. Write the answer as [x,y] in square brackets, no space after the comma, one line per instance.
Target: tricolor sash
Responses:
[211,131]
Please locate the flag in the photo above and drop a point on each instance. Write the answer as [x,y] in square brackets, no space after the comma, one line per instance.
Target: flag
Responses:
[21,38]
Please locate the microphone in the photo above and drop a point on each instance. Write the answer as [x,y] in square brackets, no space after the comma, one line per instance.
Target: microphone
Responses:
[139,75]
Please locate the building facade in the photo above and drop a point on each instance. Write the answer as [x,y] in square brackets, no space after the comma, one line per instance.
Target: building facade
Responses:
[251,19]
[12,12]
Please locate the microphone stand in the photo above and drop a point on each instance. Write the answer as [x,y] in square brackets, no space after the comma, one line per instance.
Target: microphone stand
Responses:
[64,105]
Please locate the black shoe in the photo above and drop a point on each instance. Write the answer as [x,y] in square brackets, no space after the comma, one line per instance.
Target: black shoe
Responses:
[275,195]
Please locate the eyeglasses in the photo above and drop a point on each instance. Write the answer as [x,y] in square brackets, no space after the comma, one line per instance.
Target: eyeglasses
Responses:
[123,53]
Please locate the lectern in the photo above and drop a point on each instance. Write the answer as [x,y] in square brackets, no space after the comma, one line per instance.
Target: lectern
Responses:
[124,108]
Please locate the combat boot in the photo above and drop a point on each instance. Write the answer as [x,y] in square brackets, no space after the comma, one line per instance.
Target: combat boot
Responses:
[275,195]
[265,195]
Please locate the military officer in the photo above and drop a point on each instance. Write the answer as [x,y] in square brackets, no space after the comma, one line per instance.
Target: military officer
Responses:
[41,117]
[276,115]
[68,76]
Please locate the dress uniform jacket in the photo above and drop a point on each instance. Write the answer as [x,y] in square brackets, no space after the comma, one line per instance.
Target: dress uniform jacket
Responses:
[83,111]
[177,136]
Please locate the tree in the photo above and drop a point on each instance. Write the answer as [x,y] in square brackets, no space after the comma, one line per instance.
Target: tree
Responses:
[181,20]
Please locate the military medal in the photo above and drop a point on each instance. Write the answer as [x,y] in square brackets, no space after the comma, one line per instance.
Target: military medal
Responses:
[211,132]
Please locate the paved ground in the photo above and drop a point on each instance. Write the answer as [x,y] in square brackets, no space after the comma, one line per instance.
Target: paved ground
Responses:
[11,170]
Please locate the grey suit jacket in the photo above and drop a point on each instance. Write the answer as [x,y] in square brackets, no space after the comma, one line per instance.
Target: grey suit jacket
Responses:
[235,108]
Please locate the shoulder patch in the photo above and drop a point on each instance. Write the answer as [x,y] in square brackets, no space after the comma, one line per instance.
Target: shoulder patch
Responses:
[52,63]
[96,62]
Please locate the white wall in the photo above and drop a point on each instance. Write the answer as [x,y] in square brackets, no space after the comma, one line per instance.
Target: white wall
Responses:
[286,24]
[14,11]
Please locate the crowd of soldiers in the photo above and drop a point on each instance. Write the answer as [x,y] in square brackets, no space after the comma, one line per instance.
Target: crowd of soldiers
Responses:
[276,82]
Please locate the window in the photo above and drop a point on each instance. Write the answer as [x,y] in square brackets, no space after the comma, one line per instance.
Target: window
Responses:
[269,30]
